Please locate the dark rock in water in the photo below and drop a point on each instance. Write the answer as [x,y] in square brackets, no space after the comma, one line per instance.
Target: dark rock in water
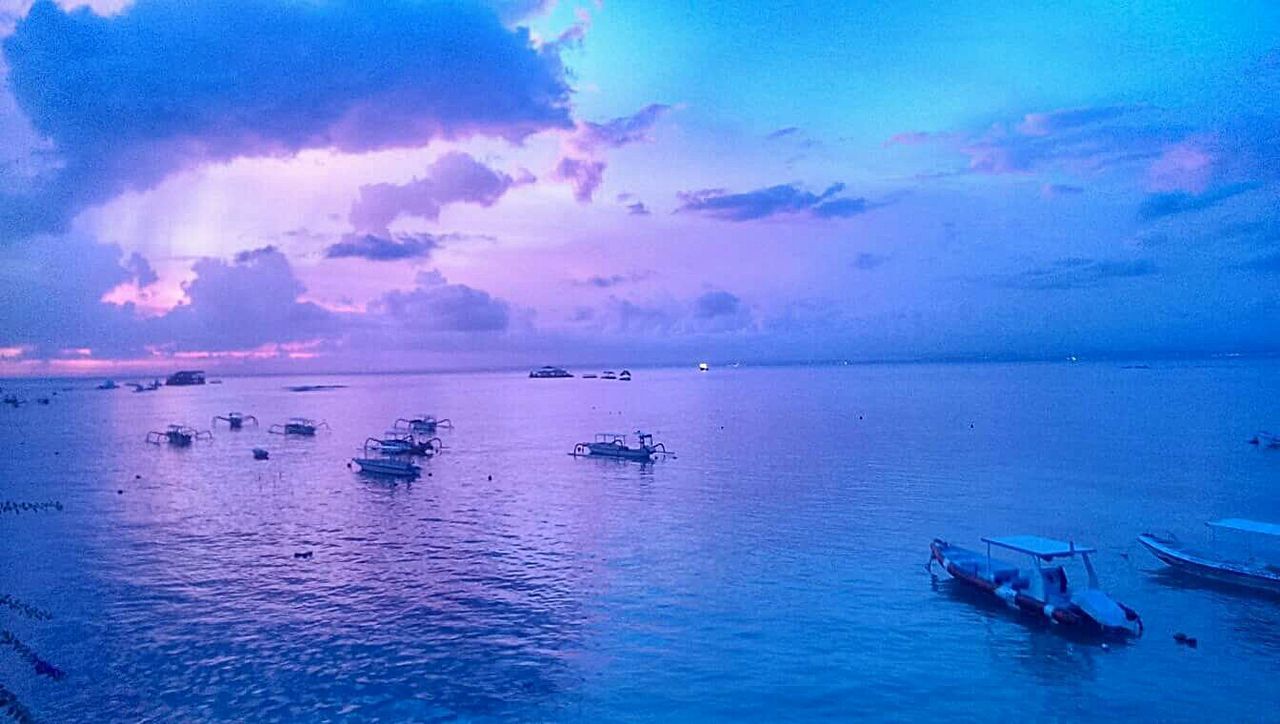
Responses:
[1180,637]
[1186,640]
[137,477]
[119,492]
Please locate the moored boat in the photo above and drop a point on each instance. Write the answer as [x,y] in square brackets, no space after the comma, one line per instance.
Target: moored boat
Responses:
[299,426]
[178,436]
[235,420]
[185,378]
[549,372]
[1252,571]
[1042,588]
[613,445]
[387,468]
[425,424]
[400,443]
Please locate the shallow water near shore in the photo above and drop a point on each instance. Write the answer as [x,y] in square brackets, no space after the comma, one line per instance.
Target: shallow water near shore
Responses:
[773,569]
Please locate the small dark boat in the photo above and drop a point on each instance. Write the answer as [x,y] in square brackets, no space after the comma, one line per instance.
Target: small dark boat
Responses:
[185,378]
[1252,572]
[624,376]
[1041,588]
[235,420]
[423,424]
[387,468]
[298,426]
[549,372]
[178,436]
[260,454]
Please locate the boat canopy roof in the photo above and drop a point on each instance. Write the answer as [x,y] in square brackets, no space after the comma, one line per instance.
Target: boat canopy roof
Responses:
[1036,546]
[1246,526]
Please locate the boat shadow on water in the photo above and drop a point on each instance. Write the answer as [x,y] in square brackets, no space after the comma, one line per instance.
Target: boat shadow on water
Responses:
[1186,581]
[995,611]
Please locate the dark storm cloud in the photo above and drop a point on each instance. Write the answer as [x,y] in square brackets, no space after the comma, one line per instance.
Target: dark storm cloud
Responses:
[163,86]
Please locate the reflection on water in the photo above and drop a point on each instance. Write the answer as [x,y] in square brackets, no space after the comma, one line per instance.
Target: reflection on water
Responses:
[774,569]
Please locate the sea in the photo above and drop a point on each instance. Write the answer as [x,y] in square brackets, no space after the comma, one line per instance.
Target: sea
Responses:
[773,568]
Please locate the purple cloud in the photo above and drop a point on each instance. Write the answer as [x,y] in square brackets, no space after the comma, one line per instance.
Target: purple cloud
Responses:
[453,178]
[53,291]
[781,200]
[242,304]
[435,305]
[613,280]
[583,165]
[383,248]
[583,175]
[140,268]
[637,208]
[123,110]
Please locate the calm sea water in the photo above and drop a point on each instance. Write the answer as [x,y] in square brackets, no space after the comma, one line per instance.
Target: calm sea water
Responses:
[773,570]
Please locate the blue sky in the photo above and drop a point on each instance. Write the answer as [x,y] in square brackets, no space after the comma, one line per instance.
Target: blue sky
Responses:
[515,181]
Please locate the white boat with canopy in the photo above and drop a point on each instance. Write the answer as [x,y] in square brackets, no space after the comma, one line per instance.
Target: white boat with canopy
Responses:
[1041,588]
[1252,567]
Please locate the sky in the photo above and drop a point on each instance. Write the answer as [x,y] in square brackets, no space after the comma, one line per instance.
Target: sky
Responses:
[342,185]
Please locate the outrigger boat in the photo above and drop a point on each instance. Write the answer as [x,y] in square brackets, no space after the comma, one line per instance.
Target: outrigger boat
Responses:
[424,424]
[178,436]
[234,420]
[387,468]
[613,445]
[400,443]
[303,426]
[1251,572]
[1042,587]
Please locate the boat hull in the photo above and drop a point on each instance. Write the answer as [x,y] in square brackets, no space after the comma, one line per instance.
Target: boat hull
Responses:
[958,563]
[1185,561]
[387,469]
[609,450]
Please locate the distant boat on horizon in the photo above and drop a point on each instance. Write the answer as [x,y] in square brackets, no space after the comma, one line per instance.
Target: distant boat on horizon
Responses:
[549,372]
[184,378]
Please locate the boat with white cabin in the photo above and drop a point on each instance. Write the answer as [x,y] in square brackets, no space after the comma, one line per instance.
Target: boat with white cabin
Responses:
[1040,588]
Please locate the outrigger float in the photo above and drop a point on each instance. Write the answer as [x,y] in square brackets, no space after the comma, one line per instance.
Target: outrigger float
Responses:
[423,424]
[1251,572]
[400,443]
[613,445]
[387,468]
[178,436]
[234,420]
[1042,588]
[301,426]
